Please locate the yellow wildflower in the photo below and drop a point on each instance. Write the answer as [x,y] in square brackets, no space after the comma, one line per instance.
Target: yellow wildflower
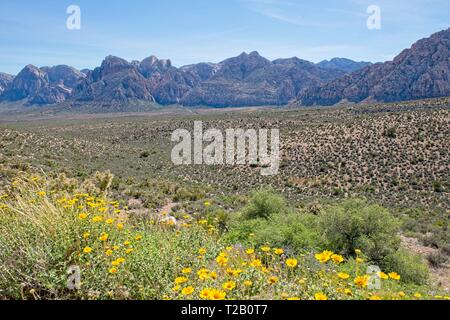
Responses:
[256,263]
[217,294]
[82,216]
[176,288]
[205,293]
[230,285]
[250,251]
[186,271]
[320,296]
[324,257]
[362,281]
[181,280]
[343,275]
[291,263]
[187,291]
[383,275]
[394,276]
[278,251]
[97,219]
[248,283]
[222,261]
[337,258]
[272,280]
[87,250]
[113,270]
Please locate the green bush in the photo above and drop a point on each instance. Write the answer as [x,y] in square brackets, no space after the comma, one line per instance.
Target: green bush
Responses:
[354,224]
[288,230]
[264,203]
[412,268]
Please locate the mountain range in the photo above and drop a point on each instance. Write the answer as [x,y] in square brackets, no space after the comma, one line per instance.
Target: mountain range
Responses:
[246,80]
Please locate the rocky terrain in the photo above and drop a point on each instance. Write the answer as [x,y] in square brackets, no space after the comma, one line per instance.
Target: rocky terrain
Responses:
[423,71]
[5,81]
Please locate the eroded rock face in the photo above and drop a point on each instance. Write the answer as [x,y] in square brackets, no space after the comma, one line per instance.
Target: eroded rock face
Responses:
[48,85]
[5,81]
[27,83]
[423,71]
[64,75]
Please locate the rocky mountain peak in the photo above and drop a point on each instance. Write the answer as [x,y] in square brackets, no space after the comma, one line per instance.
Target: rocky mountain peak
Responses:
[113,64]
[64,75]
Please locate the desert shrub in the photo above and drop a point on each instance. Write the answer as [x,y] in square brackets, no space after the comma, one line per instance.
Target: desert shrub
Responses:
[189,194]
[287,230]
[430,226]
[354,224]
[437,259]
[264,203]
[411,267]
[438,187]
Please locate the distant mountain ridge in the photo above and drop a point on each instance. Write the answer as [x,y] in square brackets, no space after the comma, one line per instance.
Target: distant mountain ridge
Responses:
[245,80]
[343,64]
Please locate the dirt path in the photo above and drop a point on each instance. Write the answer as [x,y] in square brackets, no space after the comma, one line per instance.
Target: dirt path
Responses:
[168,208]
[439,276]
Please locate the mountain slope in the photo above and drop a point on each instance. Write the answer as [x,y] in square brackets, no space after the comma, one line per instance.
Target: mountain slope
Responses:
[115,80]
[423,71]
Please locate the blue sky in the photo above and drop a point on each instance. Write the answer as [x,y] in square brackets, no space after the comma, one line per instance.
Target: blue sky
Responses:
[189,31]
